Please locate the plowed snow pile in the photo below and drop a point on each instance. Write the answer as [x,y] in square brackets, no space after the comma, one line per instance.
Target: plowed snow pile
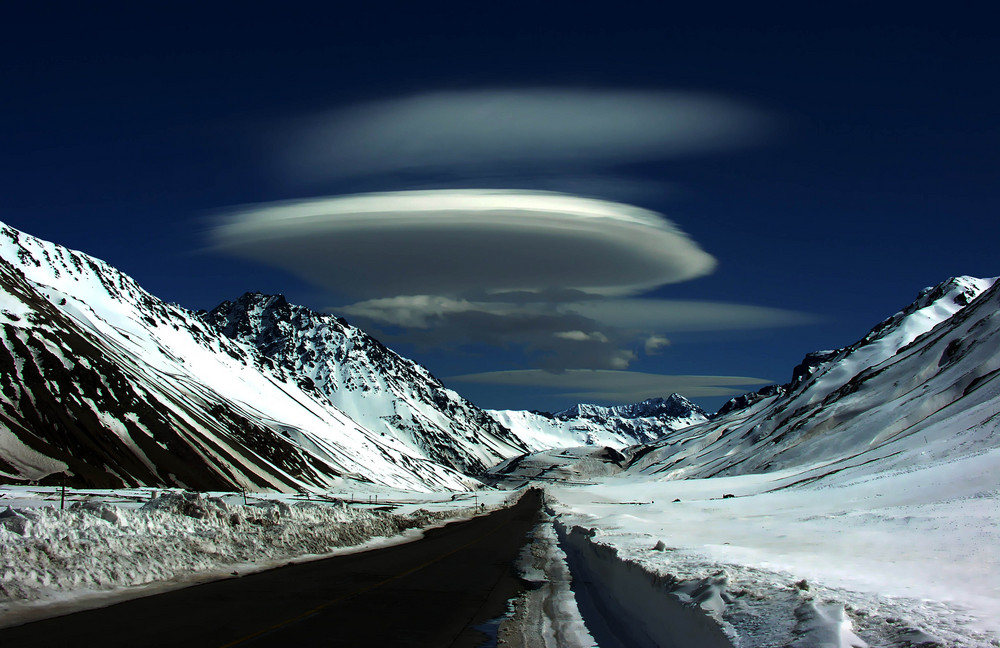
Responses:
[93,547]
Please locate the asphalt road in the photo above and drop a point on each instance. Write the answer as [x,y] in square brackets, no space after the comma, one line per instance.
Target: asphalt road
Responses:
[432,592]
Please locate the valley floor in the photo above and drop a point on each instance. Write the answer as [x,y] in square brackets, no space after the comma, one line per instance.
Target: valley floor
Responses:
[887,559]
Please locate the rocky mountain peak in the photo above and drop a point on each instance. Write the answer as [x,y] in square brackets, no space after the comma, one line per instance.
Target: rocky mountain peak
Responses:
[375,386]
[746,400]
[675,406]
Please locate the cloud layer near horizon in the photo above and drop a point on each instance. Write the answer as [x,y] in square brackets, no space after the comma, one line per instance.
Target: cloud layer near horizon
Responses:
[615,386]
[580,333]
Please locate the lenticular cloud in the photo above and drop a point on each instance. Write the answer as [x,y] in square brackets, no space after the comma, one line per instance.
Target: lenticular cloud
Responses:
[472,131]
[454,242]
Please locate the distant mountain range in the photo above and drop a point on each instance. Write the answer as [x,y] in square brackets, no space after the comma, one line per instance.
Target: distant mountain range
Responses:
[618,426]
[108,385]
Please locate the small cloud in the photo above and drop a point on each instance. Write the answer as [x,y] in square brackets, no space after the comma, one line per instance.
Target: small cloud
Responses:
[580,336]
[621,359]
[654,343]
[616,386]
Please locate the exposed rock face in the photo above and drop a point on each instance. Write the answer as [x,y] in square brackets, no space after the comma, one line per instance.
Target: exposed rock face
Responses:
[376,387]
[746,400]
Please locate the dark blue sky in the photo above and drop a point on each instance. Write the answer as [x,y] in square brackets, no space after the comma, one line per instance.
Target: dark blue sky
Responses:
[123,131]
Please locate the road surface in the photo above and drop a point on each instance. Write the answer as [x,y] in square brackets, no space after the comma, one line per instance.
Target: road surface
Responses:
[432,592]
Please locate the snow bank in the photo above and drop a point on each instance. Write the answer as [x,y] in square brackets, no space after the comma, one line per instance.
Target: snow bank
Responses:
[623,604]
[858,559]
[629,600]
[52,556]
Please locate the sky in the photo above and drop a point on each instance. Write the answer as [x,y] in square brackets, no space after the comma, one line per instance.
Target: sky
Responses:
[541,205]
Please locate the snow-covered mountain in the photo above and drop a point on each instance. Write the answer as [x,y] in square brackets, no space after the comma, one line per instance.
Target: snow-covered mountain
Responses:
[385,393]
[113,386]
[922,386]
[674,406]
[103,380]
[586,424]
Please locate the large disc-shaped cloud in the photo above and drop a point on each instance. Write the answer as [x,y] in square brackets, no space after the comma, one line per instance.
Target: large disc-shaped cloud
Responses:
[454,242]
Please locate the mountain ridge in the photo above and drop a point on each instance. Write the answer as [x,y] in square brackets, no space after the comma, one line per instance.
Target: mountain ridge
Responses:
[127,376]
[372,384]
[933,364]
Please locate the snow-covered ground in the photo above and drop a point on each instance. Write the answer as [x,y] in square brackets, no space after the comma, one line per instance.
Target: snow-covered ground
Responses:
[107,546]
[860,559]
[900,558]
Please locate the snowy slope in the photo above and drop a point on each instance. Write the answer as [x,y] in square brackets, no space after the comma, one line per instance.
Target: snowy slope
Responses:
[594,425]
[105,380]
[922,386]
[382,391]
